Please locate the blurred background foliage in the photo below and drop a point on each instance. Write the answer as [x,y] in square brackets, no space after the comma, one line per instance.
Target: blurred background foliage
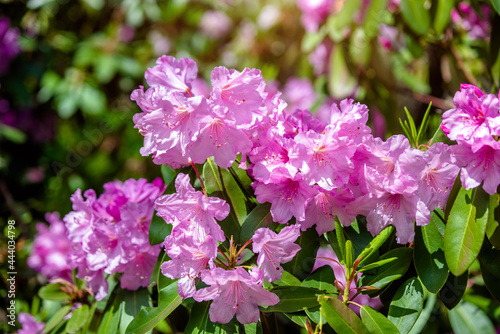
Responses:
[65,109]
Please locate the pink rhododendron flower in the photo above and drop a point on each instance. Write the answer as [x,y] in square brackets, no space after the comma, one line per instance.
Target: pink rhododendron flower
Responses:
[477,115]
[288,195]
[50,249]
[234,292]
[173,74]
[190,205]
[299,94]
[29,324]
[482,166]
[315,12]
[9,44]
[327,252]
[275,248]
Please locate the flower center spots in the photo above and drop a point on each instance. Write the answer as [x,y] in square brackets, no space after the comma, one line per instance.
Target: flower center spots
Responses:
[319,155]
[235,294]
[325,206]
[289,191]
[389,207]
[228,95]
[387,166]
[179,116]
[217,133]
[432,181]
[269,251]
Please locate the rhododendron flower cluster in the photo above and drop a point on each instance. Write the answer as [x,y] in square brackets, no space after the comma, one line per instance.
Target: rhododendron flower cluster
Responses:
[103,235]
[193,250]
[475,125]
[313,170]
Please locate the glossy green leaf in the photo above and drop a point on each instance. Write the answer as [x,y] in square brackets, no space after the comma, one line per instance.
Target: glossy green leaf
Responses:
[133,301]
[390,271]
[416,15]
[375,244]
[168,174]
[339,234]
[259,217]
[375,322]
[443,15]
[53,292]
[430,263]
[111,318]
[253,328]
[149,317]
[287,279]
[57,318]
[199,322]
[341,318]
[293,299]
[453,290]
[360,238]
[158,230]
[489,260]
[467,318]
[78,319]
[211,176]
[457,186]
[377,264]
[465,229]
[425,315]
[315,315]
[406,305]
[321,279]
[302,264]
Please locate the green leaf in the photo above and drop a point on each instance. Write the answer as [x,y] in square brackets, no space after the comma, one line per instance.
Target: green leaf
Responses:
[376,11]
[390,271]
[375,322]
[426,313]
[311,40]
[443,15]
[149,317]
[341,318]
[259,217]
[465,229]
[53,292]
[337,23]
[496,5]
[453,290]
[92,100]
[293,299]
[302,264]
[341,83]
[406,305]
[12,134]
[111,318]
[199,322]
[489,260]
[375,244]
[57,318]
[78,319]
[168,173]
[457,186]
[430,263]
[339,234]
[287,279]
[493,228]
[360,237]
[158,230]
[321,279]
[133,301]
[211,176]
[466,318]
[377,264]
[416,15]
[299,318]
[253,328]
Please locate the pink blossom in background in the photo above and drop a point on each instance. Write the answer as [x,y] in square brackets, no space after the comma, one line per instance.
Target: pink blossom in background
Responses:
[477,25]
[102,235]
[389,37]
[215,24]
[235,292]
[320,57]
[338,271]
[299,94]
[50,249]
[29,325]
[9,44]
[314,12]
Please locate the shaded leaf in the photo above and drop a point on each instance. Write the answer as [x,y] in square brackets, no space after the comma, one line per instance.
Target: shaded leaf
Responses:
[321,279]
[467,318]
[406,305]
[489,260]
[158,230]
[78,319]
[133,301]
[293,299]
[390,271]
[453,290]
[259,217]
[111,318]
[302,264]
[199,322]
